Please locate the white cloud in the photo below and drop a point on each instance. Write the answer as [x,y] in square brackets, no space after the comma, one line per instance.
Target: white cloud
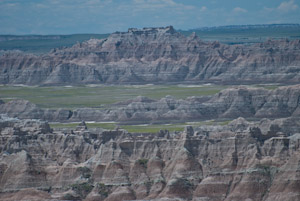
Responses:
[287,6]
[155,4]
[239,10]
[170,2]
[266,9]
[12,4]
[284,7]
[203,8]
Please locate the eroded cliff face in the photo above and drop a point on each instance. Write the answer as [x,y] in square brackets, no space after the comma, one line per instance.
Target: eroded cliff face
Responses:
[229,103]
[153,55]
[244,160]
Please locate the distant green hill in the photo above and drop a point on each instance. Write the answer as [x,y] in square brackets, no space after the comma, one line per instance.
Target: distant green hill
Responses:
[247,33]
[40,44]
[235,34]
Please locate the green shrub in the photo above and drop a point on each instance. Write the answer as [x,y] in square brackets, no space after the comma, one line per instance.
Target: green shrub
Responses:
[143,162]
[85,172]
[103,189]
[68,196]
[82,189]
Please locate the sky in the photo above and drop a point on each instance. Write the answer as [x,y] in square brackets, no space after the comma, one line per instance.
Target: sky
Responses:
[107,16]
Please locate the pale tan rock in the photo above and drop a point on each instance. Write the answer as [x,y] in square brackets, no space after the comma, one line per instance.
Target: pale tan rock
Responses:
[25,195]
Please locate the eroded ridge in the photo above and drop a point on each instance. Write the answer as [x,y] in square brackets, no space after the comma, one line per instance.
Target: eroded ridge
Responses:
[242,160]
[155,55]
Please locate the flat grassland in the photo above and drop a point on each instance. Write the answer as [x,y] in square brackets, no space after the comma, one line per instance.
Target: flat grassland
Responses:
[99,96]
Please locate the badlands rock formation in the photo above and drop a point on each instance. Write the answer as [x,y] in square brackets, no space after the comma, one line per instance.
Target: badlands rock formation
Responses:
[154,55]
[240,161]
[229,103]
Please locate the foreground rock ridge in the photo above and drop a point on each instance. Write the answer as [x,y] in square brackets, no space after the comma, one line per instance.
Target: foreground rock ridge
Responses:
[241,161]
[230,103]
[155,55]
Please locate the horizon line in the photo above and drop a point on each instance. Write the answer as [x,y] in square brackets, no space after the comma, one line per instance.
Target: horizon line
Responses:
[198,28]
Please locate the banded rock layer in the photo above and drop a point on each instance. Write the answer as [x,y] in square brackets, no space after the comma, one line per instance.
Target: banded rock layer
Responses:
[241,161]
[155,55]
